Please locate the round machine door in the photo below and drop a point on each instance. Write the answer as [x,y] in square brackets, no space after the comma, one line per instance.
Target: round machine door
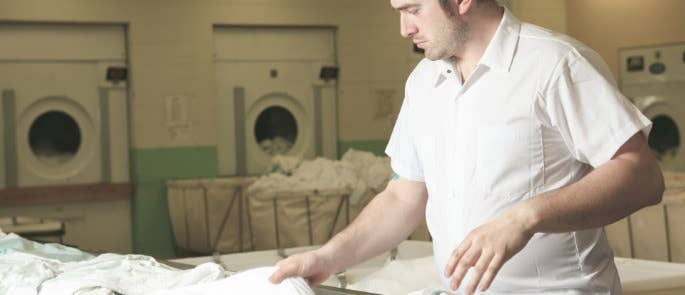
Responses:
[56,138]
[277,125]
[666,137]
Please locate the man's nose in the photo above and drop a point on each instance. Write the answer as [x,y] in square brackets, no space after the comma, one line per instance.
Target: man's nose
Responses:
[407,27]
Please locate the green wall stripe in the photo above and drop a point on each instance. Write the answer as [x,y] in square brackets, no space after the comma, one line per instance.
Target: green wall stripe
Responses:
[151,167]
[154,164]
[152,232]
[375,146]
[9,123]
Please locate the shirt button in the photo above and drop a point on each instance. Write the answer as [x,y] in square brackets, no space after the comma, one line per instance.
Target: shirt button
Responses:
[449,71]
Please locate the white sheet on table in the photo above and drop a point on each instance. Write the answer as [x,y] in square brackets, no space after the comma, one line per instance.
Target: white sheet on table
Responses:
[22,273]
[253,281]
[11,243]
[417,274]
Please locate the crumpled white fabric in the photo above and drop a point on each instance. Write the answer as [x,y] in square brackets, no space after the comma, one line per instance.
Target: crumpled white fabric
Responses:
[357,172]
[373,173]
[276,146]
[253,281]
[22,273]
[11,243]
[127,274]
[285,165]
[321,174]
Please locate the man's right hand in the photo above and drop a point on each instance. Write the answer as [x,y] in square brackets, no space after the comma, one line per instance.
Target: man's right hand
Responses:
[312,266]
[384,223]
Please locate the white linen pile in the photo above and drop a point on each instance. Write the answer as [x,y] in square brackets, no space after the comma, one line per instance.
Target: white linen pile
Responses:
[357,172]
[30,268]
[22,273]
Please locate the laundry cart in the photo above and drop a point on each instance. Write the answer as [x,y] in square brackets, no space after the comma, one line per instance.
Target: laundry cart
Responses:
[208,215]
[222,215]
[655,232]
[674,180]
[296,218]
[218,215]
[281,219]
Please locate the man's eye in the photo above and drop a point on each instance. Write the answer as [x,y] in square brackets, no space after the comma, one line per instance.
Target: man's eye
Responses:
[413,11]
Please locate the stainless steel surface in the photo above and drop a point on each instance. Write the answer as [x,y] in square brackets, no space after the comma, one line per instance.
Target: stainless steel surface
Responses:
[342,279]
[326,290]
[281,253]
[393,253]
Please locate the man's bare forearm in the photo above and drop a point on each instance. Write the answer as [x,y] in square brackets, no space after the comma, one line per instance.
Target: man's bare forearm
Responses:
[612,191]
[384,223]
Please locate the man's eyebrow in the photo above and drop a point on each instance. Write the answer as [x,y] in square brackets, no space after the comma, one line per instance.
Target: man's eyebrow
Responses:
[406,6]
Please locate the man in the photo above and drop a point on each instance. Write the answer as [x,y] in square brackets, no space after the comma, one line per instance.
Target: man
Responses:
[516,145]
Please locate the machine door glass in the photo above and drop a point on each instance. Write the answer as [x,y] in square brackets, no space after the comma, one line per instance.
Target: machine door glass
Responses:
[275,130]
[54,137]
[664,139]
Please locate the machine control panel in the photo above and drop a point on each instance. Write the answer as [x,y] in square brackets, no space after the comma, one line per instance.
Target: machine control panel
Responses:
[644,64]
[636,63]
[657,68]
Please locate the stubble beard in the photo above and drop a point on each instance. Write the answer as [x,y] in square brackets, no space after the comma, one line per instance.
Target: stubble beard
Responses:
[453,37]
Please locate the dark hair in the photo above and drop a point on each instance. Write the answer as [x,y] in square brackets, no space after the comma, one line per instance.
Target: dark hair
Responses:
[445,4]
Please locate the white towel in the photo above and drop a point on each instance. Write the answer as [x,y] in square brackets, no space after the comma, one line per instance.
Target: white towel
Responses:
[253,281]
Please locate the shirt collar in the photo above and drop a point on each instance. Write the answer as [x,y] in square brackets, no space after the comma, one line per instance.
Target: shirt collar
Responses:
[500,51]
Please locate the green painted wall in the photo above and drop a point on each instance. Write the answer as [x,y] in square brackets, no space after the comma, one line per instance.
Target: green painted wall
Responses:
[375,146]
[152,233]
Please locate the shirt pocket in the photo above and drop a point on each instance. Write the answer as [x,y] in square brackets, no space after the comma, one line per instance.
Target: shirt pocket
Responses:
[506,158]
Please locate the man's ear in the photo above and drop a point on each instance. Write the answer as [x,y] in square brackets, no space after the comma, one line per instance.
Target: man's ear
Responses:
[464,6]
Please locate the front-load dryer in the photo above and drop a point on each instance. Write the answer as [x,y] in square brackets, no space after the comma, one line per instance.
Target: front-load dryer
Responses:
[653,77]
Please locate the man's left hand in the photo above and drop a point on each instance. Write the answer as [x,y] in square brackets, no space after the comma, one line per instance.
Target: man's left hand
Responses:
[487,248]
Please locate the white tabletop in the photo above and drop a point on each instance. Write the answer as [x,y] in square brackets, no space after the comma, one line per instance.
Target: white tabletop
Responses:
[636,275]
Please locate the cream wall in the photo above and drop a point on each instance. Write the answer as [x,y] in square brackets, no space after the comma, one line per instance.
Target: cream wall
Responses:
[170,51]
[608,25]
[550,14]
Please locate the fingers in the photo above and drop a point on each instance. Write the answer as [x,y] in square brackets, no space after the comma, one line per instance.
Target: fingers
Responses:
[465,262]
[491,272]
[456,255]
[308,266]
[478,270]
[318,279]
[284,269]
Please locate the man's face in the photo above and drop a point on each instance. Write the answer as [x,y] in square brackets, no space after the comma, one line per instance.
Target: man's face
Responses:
[440,33]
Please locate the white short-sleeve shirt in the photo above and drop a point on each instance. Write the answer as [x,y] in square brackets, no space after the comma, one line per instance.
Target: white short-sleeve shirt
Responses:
[539,111]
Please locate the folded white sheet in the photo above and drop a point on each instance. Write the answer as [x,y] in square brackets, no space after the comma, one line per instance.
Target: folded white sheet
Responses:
[253,281]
